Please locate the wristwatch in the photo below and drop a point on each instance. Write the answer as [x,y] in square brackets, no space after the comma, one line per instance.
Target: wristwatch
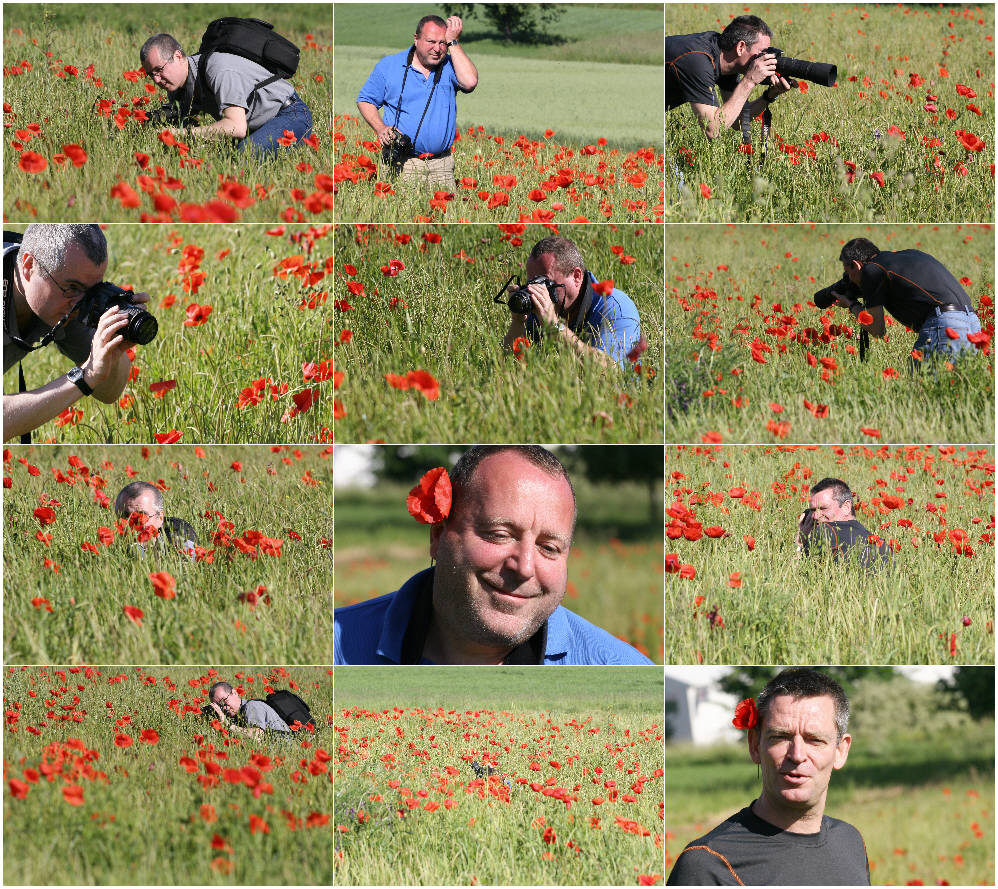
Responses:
[452,43]
[75,375]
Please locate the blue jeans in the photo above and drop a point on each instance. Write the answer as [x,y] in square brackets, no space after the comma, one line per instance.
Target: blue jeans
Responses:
[932,338]
[295,117]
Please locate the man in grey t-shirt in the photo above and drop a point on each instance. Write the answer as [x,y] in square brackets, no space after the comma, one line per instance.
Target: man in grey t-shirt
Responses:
[253,117]
[259,716]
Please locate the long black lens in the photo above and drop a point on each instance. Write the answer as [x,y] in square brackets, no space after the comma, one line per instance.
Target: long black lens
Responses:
[816,72]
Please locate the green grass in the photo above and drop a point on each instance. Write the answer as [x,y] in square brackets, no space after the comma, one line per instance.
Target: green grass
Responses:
[49,38]
[492,832]
[613,583]
[258,329]
[628,34]
[729,287]
[791,611]
[207,621]
[914,789]
[450,327]
[143,818]
[876,49]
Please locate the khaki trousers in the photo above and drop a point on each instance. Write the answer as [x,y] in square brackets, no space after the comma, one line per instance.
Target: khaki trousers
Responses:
[433,171]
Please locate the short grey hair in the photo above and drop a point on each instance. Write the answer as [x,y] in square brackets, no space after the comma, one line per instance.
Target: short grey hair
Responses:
[49,242]
[164,44]
[567,257]
[132,491]
[222,685]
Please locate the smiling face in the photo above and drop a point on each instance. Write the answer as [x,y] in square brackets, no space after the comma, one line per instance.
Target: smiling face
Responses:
[50,298]
[431,45]
[828,509]
[502,556]
[797,748]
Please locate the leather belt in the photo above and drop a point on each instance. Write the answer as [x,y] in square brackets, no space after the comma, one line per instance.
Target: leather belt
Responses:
[952,308]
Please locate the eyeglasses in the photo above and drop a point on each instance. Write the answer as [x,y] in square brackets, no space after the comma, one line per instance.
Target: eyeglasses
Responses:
[155,72]
[67,292]
[219,702]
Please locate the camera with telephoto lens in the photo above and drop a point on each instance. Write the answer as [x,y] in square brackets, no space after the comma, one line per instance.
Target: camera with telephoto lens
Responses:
[518,299]
[816,72]
[397,152]
[142,326]
[827,296]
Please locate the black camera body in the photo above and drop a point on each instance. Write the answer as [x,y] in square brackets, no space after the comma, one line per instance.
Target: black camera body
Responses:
[820,73]
[518,299]
[396,153]
[827,296]
[170,115]
[142,327]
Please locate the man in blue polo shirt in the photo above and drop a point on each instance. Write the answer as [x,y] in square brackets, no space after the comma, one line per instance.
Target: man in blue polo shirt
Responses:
[603,326]
[417,88]
[494,596]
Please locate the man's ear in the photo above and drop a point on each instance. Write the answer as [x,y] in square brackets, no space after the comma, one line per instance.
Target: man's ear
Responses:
[27,265]
[753,744]
[436,531]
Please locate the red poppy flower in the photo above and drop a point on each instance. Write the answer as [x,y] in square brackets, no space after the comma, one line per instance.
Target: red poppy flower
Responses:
[32,162]
[125,193]
[258,825]
[864,317]
[122,740]
[161,388]
[952,334]
[18,789]
[45,515]
[73,794]
[878,177]
[873,433]
[164,585]
[429,502]
[520,347]
[393,268]
[705,190]
[149,736]
[746,715]
[969,140]
[197,315]
[134,614]
[536,194]
[76,154]
[167,437]
[287,138]
[425,383]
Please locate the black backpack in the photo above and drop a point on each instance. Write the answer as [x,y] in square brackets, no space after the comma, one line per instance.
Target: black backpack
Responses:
[291,709]
[251,39]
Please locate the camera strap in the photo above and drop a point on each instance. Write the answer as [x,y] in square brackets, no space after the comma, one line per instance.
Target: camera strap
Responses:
[746,127]
[437,74]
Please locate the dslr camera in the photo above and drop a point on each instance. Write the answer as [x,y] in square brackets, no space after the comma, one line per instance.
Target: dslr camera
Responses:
[518,299]
[828,295]
[396,153]
[142,327]
[816,72]
[170,115]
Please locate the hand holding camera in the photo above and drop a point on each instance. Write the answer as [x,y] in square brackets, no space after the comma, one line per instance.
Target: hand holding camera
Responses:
[524,299]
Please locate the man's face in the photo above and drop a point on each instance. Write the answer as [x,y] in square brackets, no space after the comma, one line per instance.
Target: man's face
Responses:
[797,750]
[745,55]
[853,271]
[50,298]
[431,45]
[502,557]
[228,702]
[545,265]
[145,504]
[828,509]
[167,72]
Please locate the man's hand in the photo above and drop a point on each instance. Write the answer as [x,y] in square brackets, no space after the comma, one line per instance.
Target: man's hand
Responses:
[218,710]
[544,308]
[454,27]
[107,348]
[762,69]
[386,135]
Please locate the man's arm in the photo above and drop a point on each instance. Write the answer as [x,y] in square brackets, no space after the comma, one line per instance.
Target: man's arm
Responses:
[370,114]
[877,327]
[232,124]
[716,120]
[555,326]
[105,371]
[464,69]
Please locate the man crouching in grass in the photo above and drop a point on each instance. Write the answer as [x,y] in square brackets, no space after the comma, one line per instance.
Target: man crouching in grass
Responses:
[249,104]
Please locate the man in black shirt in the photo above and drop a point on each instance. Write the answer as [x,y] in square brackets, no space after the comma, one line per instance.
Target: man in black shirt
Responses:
[830,525]
[917,289]
[697,63]
[784,838]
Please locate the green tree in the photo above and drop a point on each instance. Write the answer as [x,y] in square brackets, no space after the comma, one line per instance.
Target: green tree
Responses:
[973,687]
[633,463]
[407,463]
[515,22]
[749,681]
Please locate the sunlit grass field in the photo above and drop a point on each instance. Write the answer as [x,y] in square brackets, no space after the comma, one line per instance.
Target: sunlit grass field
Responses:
[576,795]
[751,359]
[75,593]
[70,71]
[905,135]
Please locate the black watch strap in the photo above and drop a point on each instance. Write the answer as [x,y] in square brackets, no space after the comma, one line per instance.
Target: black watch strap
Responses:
[75,375]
